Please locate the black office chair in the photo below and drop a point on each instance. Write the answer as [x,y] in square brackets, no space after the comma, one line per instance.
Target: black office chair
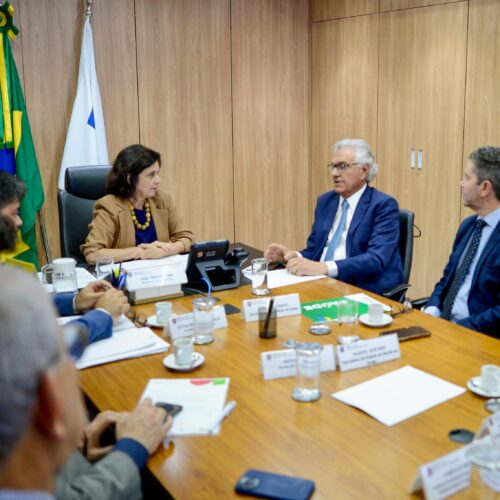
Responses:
[406,223]
[84,185]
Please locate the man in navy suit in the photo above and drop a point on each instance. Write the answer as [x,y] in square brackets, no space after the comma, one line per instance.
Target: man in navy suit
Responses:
[355,232]
[469,291]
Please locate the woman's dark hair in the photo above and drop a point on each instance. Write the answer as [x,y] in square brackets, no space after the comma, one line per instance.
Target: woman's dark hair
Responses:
[127,166]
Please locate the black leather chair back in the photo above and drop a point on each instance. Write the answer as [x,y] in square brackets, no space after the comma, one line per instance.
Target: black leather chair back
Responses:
[84,185]
[406,218]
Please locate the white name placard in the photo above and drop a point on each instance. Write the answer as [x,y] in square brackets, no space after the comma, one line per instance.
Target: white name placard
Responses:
[183,324]
[443,477]
[368,352]
[285,305]
[283,363]
[155,276]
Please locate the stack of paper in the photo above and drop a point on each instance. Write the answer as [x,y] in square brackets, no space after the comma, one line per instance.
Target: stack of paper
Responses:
[202,402]
[126,342]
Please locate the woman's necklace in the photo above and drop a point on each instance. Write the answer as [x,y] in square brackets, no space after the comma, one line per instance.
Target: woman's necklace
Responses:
[137,224]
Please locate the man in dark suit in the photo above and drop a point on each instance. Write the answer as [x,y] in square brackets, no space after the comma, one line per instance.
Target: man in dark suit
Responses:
[469,291]
[355,232]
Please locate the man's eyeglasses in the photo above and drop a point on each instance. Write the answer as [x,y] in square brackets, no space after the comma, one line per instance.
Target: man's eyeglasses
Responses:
[138,319]
[341,167]
[406,307]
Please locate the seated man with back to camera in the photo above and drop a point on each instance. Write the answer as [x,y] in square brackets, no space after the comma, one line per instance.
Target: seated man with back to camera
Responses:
[135,220]
[469,291]
[41,410]
[99,300]
[355,232]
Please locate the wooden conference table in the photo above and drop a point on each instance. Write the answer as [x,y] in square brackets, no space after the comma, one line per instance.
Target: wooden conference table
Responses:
[346,452]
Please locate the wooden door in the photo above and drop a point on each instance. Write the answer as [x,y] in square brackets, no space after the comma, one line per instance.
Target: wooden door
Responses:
[421,106]
[344,89]
[322,10]
[482,102]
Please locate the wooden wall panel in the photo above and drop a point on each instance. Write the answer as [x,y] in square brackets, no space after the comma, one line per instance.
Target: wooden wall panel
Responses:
[386,5]
[323,10]
[271,99]
[184,80]
[421,96]
[482,102]
[51,43]
[344,89]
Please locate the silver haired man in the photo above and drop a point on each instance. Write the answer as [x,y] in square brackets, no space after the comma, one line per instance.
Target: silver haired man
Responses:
[41,409]
[355,232]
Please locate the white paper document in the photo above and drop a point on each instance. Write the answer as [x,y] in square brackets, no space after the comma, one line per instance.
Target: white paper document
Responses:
[399,395]
[83,278]
[281,277]
[124,344]
[202,402]
[123,323]
[172,260]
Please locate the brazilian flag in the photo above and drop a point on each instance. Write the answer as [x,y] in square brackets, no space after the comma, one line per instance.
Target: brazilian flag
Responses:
[17,152]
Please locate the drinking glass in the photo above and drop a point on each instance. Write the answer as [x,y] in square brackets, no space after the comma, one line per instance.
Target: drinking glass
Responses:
[259,277]
[308,371]
[485,474]
[203,310]
[348,322]
[103,266]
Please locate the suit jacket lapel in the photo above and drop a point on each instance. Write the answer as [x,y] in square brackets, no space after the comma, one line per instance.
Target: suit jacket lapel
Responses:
[493,243]
[359,213]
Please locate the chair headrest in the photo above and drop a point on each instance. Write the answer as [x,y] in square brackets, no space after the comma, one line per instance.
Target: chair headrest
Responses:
[87,182]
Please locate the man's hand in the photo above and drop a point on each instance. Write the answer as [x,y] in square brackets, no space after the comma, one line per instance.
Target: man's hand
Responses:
[115,302]
[276,253]
[147,424]
[93,432]
[88,296]
[306,267]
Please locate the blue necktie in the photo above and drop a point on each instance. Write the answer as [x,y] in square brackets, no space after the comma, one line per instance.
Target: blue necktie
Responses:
[463,269]
[338,233]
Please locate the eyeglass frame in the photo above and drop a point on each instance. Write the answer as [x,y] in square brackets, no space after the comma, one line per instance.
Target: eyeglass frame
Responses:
[139,319]
[341,167]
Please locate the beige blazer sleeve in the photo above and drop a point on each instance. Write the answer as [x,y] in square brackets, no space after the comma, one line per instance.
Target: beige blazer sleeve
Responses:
[112,225]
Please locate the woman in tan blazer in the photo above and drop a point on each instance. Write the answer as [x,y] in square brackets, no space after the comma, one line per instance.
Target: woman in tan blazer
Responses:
[135,220]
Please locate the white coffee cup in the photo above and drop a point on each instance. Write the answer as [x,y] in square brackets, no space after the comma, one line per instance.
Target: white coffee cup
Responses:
[375,313]
[183,351]
[163,312]
[490,378]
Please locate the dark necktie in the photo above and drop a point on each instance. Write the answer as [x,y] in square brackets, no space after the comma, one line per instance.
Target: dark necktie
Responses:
[463,269]
[334,243]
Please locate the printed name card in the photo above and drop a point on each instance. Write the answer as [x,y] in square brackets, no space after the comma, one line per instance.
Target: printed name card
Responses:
[443,477]
[368,352]
[183,324]
[156,276]
[283,363]
[285,305]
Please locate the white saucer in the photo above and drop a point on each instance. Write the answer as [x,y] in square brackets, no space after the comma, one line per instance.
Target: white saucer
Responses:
[386,320]
[169,362]
[479,390]
[152,321]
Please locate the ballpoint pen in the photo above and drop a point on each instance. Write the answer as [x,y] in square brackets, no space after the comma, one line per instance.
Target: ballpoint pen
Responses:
[225,413]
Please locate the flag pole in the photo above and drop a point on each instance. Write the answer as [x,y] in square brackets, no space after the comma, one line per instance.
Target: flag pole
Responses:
[88,10]
[46,247]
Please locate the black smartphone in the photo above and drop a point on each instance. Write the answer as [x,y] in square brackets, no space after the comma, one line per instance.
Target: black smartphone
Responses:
[268,485]
[170,408]
[409,333]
